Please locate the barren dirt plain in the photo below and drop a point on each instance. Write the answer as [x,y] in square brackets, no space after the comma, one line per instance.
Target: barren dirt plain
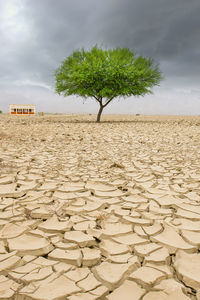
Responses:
[106,211]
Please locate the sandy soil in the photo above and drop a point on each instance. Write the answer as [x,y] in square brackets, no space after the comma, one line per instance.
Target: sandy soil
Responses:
[104,211]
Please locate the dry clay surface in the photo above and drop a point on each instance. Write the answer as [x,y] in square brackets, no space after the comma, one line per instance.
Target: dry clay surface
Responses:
[106,211]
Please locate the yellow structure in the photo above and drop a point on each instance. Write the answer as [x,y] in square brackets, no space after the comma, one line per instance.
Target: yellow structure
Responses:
[22,109]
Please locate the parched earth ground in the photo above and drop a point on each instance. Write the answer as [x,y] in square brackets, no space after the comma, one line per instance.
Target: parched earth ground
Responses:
[106,211]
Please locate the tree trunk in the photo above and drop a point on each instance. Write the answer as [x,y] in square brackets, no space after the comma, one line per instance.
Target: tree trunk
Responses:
[99,113]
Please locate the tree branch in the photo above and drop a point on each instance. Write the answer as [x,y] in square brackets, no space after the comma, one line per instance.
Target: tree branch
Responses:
[99,100]
[108,102]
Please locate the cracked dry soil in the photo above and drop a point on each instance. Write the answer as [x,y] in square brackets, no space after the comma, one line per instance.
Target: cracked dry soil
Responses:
[105,211]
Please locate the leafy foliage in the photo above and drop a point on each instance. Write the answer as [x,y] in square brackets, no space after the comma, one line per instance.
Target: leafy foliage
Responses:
[106,74]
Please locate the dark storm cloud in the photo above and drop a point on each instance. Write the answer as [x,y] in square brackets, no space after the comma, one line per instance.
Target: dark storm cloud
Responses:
[41,34]
[166,30]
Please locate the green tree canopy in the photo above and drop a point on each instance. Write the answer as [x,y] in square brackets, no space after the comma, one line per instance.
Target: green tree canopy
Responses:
[106,74]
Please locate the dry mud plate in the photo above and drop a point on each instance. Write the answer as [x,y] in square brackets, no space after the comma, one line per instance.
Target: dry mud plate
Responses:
[106,211]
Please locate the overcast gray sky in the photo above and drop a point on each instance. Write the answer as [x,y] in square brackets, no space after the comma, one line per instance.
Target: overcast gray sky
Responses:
[37,35]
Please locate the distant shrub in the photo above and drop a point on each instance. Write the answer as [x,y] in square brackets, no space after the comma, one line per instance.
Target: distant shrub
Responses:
[137,115]
[1,111]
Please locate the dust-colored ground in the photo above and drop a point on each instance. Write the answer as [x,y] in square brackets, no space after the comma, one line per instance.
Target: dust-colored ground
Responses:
[106,211]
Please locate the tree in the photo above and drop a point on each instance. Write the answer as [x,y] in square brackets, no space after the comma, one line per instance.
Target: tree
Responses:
[106,74]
